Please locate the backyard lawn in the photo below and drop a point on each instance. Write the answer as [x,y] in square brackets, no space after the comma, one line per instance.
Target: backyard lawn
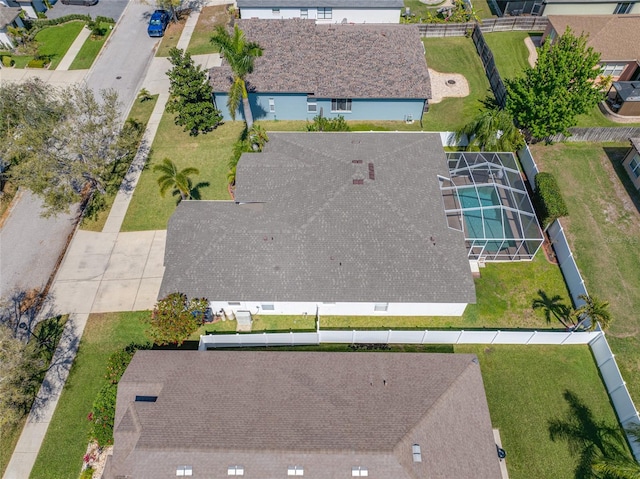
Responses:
[89,50]
[64,445]
[209,153]
[140,111]
[455,55]
[603,228]
[420,9]
[209,19]
[509,52]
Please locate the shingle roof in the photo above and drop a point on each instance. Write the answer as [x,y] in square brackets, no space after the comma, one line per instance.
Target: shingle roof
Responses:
[635,142]
[317,236]
[334,61]
[325,412]
[8,15]
[323,3]
[615,37]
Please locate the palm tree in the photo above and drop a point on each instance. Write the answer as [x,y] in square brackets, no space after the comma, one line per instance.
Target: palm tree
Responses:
[239,54]
[178,180]
[617,464]
[551,305]
[594,311]
[492,130]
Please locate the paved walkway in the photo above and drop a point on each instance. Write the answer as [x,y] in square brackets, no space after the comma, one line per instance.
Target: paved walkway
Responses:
[103,272]
[75,47]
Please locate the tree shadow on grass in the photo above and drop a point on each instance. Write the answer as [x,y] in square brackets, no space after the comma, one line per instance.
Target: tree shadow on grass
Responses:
[589,439]
[616,154]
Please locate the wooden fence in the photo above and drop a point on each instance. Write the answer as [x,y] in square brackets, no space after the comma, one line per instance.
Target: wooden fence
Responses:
[616,133]
[488,25]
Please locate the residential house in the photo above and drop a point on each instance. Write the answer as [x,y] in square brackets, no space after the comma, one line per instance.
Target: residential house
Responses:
[343,223]
[9,17]
[586,7]
[319,415]
[31,8]
[326,11]
[362,72]
[631,162]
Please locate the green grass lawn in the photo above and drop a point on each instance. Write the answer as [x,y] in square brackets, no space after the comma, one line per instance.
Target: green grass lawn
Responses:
[261,324]
[209,19]
[420,9]
[595,118]
[509,51]
[56,40]
[525,386]
[89,51]
[603,228]
[140,111]
[171,36]
[209,153]
[64,445]
[455,55]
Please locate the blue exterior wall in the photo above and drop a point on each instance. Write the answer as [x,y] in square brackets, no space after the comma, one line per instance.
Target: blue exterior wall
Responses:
[292,106]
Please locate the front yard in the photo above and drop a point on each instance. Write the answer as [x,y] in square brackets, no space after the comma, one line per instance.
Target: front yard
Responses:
[603,229]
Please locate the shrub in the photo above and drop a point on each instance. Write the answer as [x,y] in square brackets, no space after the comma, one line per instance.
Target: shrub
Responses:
[7,61]
[103,415]
[321,123]
[87,473]
[98,29]
[36,63]
[548,200]
[118,361]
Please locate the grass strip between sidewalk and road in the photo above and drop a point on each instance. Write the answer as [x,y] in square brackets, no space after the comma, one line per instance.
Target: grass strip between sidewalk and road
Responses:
[90,50]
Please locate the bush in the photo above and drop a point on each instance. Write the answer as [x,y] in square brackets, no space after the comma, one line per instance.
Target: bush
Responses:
[321,123]
[103,415]
[7,61]
[118,361]
[87,473]
[548,200]
[37,63]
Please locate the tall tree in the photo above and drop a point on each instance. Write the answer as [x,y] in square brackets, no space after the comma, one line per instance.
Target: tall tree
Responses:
[493,130]
[240,55]
[175,317]
[594,311]
[173,178]
[170,5]
[547,99]
[191,95]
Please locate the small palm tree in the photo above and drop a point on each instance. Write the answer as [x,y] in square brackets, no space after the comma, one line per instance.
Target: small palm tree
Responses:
[175,179]
[594,311]
[552,305]
[239,54]
[618,464]
[492,130]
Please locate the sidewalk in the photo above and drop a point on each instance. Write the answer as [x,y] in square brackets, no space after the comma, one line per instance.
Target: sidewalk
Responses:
[102,272]
[75,47]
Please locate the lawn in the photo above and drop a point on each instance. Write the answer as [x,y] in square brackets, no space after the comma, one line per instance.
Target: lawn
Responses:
[456,55]
[89,51]
[261,324]
[64,445]
[595,118]
[370,125]
[209,153]
[171,36]
[603,229]
[420,9]
[55,41]
[209,19]
[140,111]
[509,51]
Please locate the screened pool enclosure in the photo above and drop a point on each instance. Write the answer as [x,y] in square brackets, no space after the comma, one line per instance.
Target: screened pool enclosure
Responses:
[485,197]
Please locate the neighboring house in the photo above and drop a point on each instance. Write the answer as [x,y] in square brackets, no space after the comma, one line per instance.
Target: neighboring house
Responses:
[343,223]
[326,11]
[615,37]
[586,7]
[30,7]
[266,414]
[362,72]
[624,98]
[631,162]
[9,17]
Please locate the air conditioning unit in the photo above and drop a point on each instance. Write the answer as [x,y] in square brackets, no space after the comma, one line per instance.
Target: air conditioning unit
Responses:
[408,119]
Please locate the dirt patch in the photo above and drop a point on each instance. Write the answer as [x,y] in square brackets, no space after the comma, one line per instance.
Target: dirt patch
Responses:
[444,85]
[213,16]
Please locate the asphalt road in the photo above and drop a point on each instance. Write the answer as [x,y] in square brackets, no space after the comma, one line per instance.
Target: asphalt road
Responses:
[30,245]
[104,8]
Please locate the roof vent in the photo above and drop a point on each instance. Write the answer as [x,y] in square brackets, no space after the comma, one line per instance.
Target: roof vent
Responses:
[372,172]
[417,454]
[358,182]
[356,162]
[184,471]
[359,471]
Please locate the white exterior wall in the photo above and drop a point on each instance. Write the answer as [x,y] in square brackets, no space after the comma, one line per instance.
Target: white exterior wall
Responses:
[355,15]
[579,8]
[342,309]
[5,39]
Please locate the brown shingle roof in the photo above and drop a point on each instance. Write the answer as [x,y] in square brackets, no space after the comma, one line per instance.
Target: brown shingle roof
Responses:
[326,412]
[334,61]
[615,37]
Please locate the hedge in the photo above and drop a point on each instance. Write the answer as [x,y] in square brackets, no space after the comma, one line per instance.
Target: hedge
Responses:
[39,23]
[550,204]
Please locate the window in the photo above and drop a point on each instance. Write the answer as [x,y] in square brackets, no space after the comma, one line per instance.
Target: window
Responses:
[359,471]
[275,11]
[235,471]
[324,13]
[312,106]
[381,307]
[624,7]
[304,13]
[634,166]
[417,454]
[184,471]
[146,398]
[341,104]
[268,307]
[613,69]
[272,105]
[295,471]
[234,303]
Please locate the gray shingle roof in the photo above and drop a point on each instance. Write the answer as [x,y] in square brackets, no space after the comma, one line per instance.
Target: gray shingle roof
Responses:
[635,142]
[325,412]
[316,236]
[334,61]
[8,15]
[322,3]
